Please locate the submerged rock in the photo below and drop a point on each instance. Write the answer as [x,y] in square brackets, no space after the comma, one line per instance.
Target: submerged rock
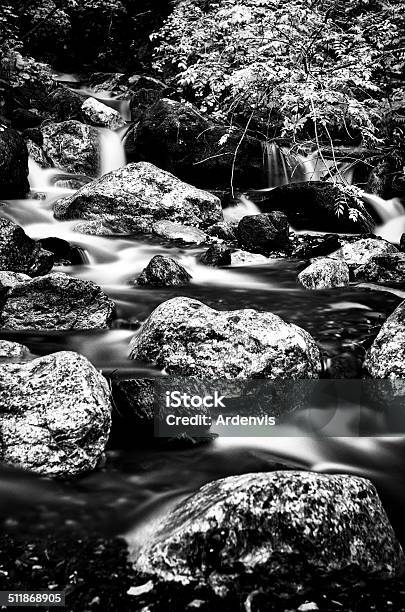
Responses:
[186,337]
[99,114]
[359,252]
[217,255]
[56,301]
[72,146]
[179,232]
[18,253]
[273,526]
[386,357]
[325,273]
[383,269]
[13,165]
[55,415]
[262,233]
[315,205]
[163,271]
[132,198]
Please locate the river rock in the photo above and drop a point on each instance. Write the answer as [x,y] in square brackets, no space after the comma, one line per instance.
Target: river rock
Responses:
[37,154]
[56,301]
[386,357]
[314,206]
[244,258]
[13,165]
[325,273]
[179,232]
[12,350]
[145,92]
[72,146]
[308,246]
[383,269]
[66,104]
[262,233]
[18,253]
[10,279]
[360,252]
[132,198]
[273,526]
[55,415]
[186,337]
[65,254]
[176,137]
[163,271]
[24,118]
[217,255]
[97,113]
[225,230]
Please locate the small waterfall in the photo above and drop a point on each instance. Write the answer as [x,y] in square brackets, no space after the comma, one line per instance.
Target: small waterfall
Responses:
[241,209]
[392,215]
[112,153]
[284,167]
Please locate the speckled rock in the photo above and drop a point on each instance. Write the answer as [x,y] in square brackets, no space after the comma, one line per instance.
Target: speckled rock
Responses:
[325,273]
[56,301]
[359,252]
[225,230]
[65,104]
[55,415]
[10,279]
[244,258]
[217,255]
[132,198]
[99,114]
[163,271]
[18,253]
[179,232]
[186,337]
[386,357]
[36,153]
[12,350]
[72,146]
[383,269]
[276,524]
[263,233]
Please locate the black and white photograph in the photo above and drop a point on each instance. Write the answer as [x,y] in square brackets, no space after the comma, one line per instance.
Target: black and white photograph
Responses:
[202,305]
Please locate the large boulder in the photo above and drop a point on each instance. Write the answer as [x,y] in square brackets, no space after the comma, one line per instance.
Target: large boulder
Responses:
[264,232]
[145,92]
[131,199]
[55,301]
[383,269]
[18,253]
[186,337]
[55,415]
[97,113]
[13,165]
[13,351]
[276,528]
[386,357]
[72,146]
[176,137]
[319,206]
[163,271]
[361,251]
[325,273]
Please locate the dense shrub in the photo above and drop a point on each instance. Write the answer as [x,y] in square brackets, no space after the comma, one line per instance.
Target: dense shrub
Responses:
[308,68]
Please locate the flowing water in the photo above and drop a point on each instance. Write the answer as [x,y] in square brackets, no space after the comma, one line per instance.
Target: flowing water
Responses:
[136,485]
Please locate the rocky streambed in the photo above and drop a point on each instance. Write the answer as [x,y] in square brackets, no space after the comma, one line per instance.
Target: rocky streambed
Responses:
[112,280]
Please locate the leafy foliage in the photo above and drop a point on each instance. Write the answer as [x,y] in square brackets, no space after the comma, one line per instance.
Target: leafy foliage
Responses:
[307,68]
